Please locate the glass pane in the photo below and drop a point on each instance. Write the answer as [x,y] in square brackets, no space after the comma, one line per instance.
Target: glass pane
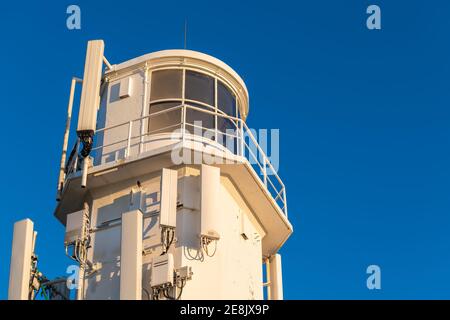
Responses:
[225,99]
[199,87]
[224,124]
[229,141]
[199,119]
[227,133]
[164,122]
[166,84]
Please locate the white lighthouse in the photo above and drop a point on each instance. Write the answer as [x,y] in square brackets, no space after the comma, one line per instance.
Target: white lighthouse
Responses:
[167,193]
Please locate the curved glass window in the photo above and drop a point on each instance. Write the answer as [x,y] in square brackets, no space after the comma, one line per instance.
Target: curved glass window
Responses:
[199,87]
[202,120]
[166,84]
[164,121]
[226,101]
[202,91]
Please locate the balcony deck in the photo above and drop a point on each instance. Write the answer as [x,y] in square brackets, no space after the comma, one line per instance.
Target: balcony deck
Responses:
[257,180]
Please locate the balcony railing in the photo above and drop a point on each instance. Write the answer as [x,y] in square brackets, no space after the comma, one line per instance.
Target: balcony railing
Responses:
[243,147]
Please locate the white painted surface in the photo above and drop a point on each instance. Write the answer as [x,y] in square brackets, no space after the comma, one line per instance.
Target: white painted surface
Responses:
[74,225]
[90,97]
[168,211]
[113,111]
[162,270]
[131,256]
[233,272]
[22,250]
[209,217]
[126,87]
[192,59]
[276,278]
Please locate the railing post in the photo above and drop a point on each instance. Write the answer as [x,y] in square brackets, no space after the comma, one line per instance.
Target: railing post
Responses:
[242,137]
[130,128]
[285,203]
[267,262]
[144,121]
[183,133]
[265,170]
[216,139]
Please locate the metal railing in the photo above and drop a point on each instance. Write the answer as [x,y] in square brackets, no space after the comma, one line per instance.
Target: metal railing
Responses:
[244,143]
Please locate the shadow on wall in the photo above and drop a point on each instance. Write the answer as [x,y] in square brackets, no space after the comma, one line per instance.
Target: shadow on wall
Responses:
[114,93]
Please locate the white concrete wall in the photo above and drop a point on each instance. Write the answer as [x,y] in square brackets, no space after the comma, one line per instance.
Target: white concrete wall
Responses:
[234,272]
[114,110]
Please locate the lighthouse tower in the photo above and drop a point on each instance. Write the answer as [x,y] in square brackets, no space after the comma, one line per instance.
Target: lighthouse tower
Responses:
[167,193]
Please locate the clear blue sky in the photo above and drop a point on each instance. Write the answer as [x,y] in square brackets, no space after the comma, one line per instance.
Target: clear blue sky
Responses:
[363,117]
